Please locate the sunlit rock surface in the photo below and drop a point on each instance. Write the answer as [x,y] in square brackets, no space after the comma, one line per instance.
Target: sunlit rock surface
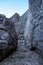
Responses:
[34,27]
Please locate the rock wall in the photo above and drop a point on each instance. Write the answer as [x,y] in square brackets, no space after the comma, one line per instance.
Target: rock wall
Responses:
[24,29]
[34,31]
[8,37]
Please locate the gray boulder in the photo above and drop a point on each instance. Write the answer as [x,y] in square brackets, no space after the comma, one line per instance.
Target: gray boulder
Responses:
[8,37]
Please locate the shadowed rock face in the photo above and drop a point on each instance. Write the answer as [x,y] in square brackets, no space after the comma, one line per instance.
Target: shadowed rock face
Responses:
[15,18]
[8,37]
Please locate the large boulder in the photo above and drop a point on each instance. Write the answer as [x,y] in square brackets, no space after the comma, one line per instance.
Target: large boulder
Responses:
[8,37]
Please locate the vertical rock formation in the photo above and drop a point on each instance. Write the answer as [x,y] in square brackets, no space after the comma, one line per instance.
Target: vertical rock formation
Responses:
[8,37]
[35,26]
[24,56]
[19,27]
[37,22]
[15,18]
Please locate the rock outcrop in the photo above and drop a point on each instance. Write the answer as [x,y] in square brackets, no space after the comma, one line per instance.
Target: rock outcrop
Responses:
[15,18]
[8,37]
[35,26]
[19,27]
[28,30]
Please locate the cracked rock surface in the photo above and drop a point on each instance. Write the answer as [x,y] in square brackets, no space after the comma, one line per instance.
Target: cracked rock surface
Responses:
[8,37]
[30,37]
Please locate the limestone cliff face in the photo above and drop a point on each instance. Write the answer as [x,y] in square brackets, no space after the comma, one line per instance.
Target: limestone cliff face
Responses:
[29,28]
[35,6]
[34,30]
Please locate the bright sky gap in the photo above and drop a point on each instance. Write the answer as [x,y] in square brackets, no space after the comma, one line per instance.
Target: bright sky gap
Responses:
[10,7]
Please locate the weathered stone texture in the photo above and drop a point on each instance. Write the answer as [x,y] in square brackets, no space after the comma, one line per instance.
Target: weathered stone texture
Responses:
[15,19]
[23,57]
[19,27]
[8,37]
[35,26]
[29,28]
